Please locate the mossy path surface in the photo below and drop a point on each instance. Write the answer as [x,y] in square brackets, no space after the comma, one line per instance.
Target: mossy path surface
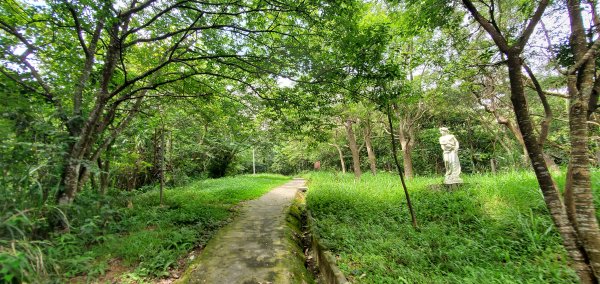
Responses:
[257,247]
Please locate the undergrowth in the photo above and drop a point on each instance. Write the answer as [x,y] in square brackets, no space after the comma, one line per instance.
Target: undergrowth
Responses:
[494,229]
[128,228]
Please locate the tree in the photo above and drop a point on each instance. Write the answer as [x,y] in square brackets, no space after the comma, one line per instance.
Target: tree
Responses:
[415,50]
[353,148]
[408,118]
[340,153]
[95,62]
[368,133]
[575,218]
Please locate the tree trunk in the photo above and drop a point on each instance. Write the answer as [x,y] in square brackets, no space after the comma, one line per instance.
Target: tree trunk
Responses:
[581,85]
[170,160]
[400,173]
[353,148]
[93,182]
[536,156]
[370,153]
[407,160]
[104,175]
[517,133]
[406,136]
[70,179]
[406,144]
[493,165]
[71,172]
[342,163]
[519,136]
[162,163]
[580,186]
[84,175]
[551,164]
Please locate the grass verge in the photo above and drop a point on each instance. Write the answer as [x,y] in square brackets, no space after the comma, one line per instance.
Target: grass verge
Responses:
[494,230]
[133,244]
[154,237]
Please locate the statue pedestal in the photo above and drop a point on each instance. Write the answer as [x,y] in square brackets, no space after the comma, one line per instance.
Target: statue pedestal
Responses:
[452,186]
[453,180]
[445,187]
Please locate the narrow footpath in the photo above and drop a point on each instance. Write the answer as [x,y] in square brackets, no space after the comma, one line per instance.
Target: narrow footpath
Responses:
[257,247]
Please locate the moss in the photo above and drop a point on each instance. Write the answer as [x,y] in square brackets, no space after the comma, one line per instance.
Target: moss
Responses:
[294,217]
[294,235]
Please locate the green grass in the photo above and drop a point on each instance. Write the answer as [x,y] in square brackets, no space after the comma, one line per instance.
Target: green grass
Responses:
[154,237]
[494,230]
[144,241]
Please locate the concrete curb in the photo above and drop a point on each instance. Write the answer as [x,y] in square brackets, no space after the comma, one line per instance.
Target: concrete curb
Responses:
[325,260]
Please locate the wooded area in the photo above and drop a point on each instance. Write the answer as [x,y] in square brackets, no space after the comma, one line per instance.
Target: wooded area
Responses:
[114,97]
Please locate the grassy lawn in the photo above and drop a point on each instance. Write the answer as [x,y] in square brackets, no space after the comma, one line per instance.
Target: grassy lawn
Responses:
[493,230]
[148,239]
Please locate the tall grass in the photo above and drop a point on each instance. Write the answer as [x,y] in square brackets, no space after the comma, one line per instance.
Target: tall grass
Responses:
[494,229]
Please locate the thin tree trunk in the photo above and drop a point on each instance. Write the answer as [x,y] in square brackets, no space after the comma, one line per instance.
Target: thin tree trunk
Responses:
[493,165]
[516,132]
[400,173]
[104,175]
[341,154]
[162,163]
[93,182]
[545,124]
[170,160]
[370,153]
[353,149]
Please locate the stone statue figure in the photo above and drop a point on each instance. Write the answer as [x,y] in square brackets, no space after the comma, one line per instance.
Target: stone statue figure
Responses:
[450,147]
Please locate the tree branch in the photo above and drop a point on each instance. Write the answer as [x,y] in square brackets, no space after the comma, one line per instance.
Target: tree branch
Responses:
[215,26]
[587,56]
[19,81]
[79,30]
[11,30]
[153,19]
[87,68]
[134,9]
[117,130]
[487,25]
[545,125]
[537,15]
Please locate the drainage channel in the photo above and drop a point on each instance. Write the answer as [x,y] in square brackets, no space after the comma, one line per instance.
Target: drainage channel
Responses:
[318,261]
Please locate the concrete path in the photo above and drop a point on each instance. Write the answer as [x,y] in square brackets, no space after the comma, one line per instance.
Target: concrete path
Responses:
[256,247]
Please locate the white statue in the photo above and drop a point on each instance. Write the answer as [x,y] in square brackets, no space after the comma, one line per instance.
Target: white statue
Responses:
[450,146]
